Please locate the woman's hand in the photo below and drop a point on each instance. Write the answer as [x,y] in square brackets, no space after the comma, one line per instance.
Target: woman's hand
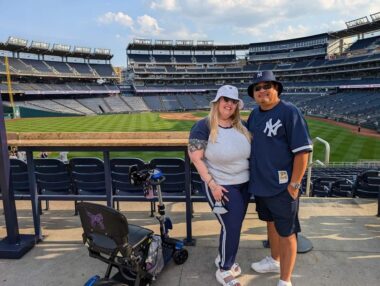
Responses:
[218,191]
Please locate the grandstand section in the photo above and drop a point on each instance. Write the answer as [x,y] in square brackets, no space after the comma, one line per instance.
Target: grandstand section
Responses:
[333,75]
[51,79]
[319,72]
[136,103]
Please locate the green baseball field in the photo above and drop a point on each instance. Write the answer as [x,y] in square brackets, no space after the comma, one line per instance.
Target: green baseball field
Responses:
[346,145]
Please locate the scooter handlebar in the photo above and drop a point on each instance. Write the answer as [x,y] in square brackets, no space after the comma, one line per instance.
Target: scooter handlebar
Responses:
[145,173]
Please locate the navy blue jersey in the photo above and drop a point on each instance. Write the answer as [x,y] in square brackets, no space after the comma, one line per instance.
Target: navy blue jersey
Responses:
[278,134]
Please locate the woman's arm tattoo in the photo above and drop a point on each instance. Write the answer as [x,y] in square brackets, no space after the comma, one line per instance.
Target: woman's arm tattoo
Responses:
[197,144]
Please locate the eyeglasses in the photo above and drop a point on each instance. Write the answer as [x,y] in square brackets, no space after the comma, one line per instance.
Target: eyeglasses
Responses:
[265,86]
[226,100]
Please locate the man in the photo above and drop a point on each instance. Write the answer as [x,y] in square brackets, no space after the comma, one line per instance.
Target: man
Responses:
[279,156]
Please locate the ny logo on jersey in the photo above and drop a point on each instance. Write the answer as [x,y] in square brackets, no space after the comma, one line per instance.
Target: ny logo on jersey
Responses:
[272,128]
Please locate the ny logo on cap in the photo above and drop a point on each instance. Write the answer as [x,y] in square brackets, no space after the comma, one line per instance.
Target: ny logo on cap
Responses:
[272,128]
[260,74]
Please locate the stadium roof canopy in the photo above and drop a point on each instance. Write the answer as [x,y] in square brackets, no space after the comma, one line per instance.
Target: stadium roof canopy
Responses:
[293,40]
[359,26]
[20,45]
[184,47]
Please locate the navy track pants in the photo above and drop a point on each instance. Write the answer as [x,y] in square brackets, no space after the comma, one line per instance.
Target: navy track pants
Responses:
[231,222]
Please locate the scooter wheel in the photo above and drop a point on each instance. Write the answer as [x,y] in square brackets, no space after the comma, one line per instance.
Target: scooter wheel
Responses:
[180,256]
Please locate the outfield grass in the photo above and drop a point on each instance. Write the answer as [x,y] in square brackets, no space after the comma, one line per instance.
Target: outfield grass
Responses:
[345,145]
[136,122]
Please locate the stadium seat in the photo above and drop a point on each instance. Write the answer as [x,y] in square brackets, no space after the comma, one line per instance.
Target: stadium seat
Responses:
[88,178]
[196,182]
[368,184]
[121,186]
[174,171]
[20,179]
[322,186]
[52,178]
[342,188]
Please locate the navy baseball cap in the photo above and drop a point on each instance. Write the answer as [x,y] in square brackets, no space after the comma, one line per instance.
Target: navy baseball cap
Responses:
[264,76]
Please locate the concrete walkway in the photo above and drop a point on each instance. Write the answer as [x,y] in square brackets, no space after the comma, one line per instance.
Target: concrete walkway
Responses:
[345,234]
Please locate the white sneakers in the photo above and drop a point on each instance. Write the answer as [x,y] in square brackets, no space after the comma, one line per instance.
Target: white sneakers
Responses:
[235,269]
[226,278]
[268,264]
[284,283]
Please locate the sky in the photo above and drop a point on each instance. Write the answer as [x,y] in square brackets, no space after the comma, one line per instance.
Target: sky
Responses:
[112,24]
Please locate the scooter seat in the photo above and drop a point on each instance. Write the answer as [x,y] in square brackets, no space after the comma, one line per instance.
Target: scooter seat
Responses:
[137,235]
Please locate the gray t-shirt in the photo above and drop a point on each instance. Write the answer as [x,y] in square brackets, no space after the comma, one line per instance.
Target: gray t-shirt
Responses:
[227,158]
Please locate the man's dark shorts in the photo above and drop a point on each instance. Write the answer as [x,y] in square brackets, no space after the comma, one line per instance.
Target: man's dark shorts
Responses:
[282,209]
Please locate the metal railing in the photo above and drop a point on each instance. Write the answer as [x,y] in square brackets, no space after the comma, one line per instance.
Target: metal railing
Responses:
[311,163]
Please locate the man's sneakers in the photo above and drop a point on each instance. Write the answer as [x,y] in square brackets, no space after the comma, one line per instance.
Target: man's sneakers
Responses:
[226,278]
[284,283]
[235,269]
[268,264]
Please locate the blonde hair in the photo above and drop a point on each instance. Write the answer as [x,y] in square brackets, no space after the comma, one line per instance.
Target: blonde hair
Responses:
[213,120]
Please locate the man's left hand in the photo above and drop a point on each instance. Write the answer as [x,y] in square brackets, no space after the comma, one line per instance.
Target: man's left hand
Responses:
[293,192]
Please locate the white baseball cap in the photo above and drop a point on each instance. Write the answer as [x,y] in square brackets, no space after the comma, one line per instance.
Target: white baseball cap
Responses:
[230,92]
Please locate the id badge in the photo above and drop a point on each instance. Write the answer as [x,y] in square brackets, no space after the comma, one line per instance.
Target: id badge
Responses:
[283,177]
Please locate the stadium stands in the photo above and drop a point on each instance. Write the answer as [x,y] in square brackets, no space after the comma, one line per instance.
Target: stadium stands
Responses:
[53,106]
[365,43]
[154,103]
[345,181]
[187,102]
[51,81]
[86,177]
[171,103]
[136,103]
[74,105]
[117,104]
[368,184]
[97,105]
[320,75]
[318,72]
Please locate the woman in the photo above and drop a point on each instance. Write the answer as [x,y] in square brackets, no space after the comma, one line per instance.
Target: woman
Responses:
[219,147]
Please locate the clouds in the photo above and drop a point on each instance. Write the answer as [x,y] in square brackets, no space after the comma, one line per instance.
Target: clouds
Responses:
[268,20]
[238,21]
[183,33]
[118,17]
[168,5]
[144,25]
[117,22]
[148,25]
[291,32]
[341,6]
